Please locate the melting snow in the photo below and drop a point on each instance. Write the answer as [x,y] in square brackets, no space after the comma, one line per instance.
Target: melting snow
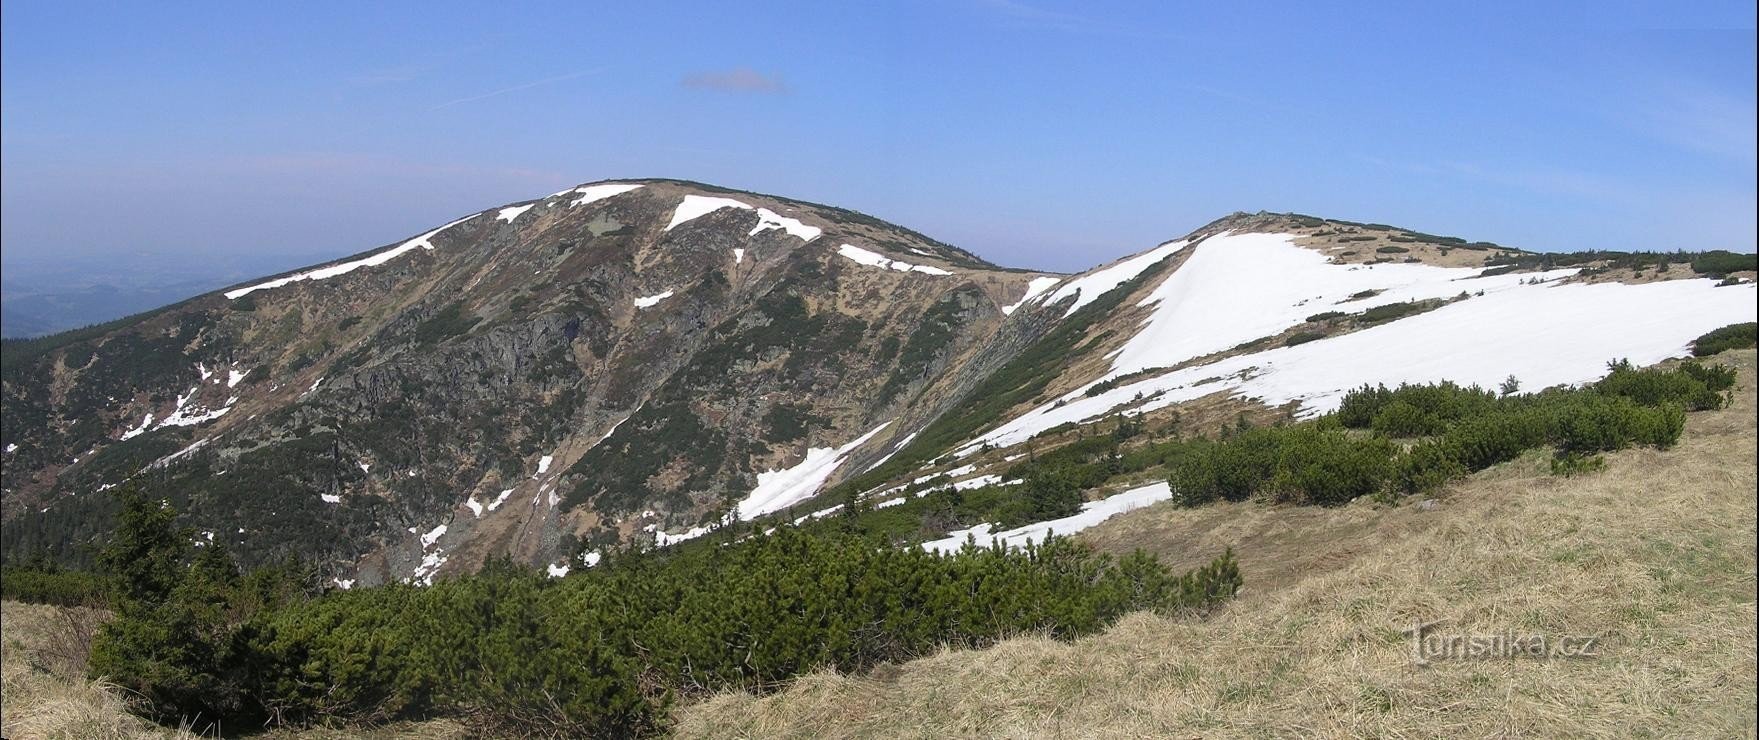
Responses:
[697,206]
[347,267]
[137,431]
[513,212]
[1089,287]
[1034,289]
[652,300]
[874,259]
[1235,288]
[779,489]
[433,535]
[594,193]
[768,219]
[1545,335]
[1092,513]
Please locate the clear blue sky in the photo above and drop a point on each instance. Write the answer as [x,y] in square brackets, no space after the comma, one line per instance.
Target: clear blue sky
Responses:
[1039,134]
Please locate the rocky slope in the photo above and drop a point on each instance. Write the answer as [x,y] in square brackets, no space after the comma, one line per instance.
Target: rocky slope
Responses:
[637,361]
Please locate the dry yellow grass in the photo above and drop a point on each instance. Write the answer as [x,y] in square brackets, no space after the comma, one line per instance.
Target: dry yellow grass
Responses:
[45,693]
[1654,556]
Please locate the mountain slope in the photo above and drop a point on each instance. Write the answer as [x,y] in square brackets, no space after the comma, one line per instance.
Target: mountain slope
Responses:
[612,358]
[640,362]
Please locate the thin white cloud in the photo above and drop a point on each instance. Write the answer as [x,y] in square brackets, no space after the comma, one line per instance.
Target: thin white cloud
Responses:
[517,88]
[738,79]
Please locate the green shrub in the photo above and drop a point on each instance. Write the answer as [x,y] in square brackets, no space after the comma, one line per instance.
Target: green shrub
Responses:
[1571,464]
[1391,249]
[1697,387]
[1303,337]
[1733,336]
[1328,468]
[1425,467]
[1325,316]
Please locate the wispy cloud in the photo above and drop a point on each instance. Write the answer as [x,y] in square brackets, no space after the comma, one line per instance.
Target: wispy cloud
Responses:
[1697,117]
[738,79]
[517,88]
[1055,20]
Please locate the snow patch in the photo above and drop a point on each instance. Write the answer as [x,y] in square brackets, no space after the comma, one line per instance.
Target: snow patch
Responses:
[330,498]
[738,255]
[652,300]
[321,273]
[543,465]
[779,489]
[557,571]
[135,432]
[501,499]
[1088,287]
[768,219]
[433,535]
[475,508]
[595,193]
[875,259]
[343,584]
[233,376]
[1545,334]
[513,212]
[1092,513]
[1034,289]
[697,206]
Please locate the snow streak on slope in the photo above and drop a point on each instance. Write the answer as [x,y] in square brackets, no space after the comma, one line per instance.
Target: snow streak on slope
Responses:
[1544,335]
[1033,290]
[508,214]
[875,259]
[1089,287]
[347,267]
[779,489]
[652,300]
[1092,513]
[697,206]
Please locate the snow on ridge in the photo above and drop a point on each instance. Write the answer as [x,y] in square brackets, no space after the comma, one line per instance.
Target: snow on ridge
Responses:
[697,206]
[779,489]
[768,219]
[875,259]
[652,300]
[1088,287]
[601,191]
[374,260]
[512,212]
[1034,289]
[1235,288]
[1091,514]
[1544,334]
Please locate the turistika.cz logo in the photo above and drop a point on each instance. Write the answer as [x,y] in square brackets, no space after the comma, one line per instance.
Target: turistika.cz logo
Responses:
[1428,646]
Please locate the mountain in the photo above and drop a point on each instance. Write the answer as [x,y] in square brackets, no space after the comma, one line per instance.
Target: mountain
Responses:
[637,363]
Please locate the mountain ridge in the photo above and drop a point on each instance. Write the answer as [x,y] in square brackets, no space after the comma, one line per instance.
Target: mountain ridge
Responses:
[638,362]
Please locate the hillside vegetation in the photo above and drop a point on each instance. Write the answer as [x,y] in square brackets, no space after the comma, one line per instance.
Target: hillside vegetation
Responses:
[1654,555]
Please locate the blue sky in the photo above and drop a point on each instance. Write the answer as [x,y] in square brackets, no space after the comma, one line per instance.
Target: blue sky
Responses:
[1036,134]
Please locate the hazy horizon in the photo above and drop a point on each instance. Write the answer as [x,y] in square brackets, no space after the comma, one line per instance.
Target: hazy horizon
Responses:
[1038,135]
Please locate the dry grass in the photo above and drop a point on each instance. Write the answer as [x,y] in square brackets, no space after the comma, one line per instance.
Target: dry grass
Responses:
[1655,556]
[45,692]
